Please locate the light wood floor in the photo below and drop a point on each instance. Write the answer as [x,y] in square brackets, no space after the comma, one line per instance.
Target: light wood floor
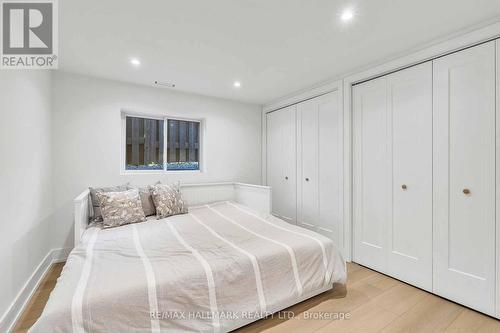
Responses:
[374,303]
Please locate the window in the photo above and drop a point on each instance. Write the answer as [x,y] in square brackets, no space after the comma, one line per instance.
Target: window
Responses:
[183,145]
[162,144]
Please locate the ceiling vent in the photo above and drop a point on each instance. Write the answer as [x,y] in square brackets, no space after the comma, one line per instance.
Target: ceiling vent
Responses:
[164,84]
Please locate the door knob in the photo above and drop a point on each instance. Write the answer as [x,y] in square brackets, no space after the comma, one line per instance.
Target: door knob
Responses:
[466,191]
[307,179]
[404,187]
[286,177]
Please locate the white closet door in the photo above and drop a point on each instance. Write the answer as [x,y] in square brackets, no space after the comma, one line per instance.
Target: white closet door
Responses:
[319,166]
[307,179]
[498,182]
[409,232]
[330,164]
[273,169]
[464,177]
[289,163]
[372,173]
[281,159]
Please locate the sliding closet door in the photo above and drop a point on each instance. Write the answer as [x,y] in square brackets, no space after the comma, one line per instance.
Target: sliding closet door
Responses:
[409,255]
[464,177]
[281,162]
[372,173]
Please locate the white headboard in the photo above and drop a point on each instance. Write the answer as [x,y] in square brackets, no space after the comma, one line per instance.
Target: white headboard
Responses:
[256,197]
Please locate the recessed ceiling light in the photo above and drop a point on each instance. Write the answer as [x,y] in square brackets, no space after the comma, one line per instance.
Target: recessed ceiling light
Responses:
[347,15]
[237,84]
[135,61]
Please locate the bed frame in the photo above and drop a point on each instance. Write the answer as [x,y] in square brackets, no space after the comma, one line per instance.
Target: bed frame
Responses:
[254,196]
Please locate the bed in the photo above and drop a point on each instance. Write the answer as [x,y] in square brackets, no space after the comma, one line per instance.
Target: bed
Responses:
[225,264]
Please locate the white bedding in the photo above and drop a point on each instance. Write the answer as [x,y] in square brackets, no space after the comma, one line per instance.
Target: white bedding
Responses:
[215,269]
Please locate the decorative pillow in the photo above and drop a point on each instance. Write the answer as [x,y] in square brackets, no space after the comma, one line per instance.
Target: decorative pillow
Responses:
[147,201]
[119,208]
[96,215]
[168,200]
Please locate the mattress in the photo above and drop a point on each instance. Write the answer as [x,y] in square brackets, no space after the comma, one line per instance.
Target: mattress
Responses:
[217,268]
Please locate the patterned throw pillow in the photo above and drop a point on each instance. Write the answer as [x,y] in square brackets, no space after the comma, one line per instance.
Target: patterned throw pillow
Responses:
[168,200]
[96,215]
[119,208]
[147,201]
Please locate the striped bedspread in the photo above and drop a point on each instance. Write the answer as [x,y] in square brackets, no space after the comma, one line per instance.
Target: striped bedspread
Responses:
[211,270]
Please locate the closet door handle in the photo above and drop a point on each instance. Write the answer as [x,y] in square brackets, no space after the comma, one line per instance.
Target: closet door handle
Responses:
[404,187]
[307,179]
[466,191]
[286,177]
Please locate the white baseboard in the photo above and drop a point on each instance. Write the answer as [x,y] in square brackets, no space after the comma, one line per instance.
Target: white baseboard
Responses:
[60,255]
[10,317]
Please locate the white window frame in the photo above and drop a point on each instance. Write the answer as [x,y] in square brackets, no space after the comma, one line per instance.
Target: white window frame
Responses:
[123,143]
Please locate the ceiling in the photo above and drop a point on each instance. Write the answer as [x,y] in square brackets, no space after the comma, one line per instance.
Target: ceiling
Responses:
[273,47]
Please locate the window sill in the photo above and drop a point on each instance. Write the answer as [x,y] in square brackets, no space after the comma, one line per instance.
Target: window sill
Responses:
[158,172]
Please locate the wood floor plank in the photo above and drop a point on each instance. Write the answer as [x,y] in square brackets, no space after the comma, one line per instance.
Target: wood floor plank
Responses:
[359,293]
[490,326]
[37,303]
[431,314]
[380,281]
[471,321]
[400,299]
[372,301]
[366,318]
[360,274]
[380,310]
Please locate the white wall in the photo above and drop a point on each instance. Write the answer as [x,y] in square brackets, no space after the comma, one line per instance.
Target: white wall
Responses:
[87,138]
[25,178]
